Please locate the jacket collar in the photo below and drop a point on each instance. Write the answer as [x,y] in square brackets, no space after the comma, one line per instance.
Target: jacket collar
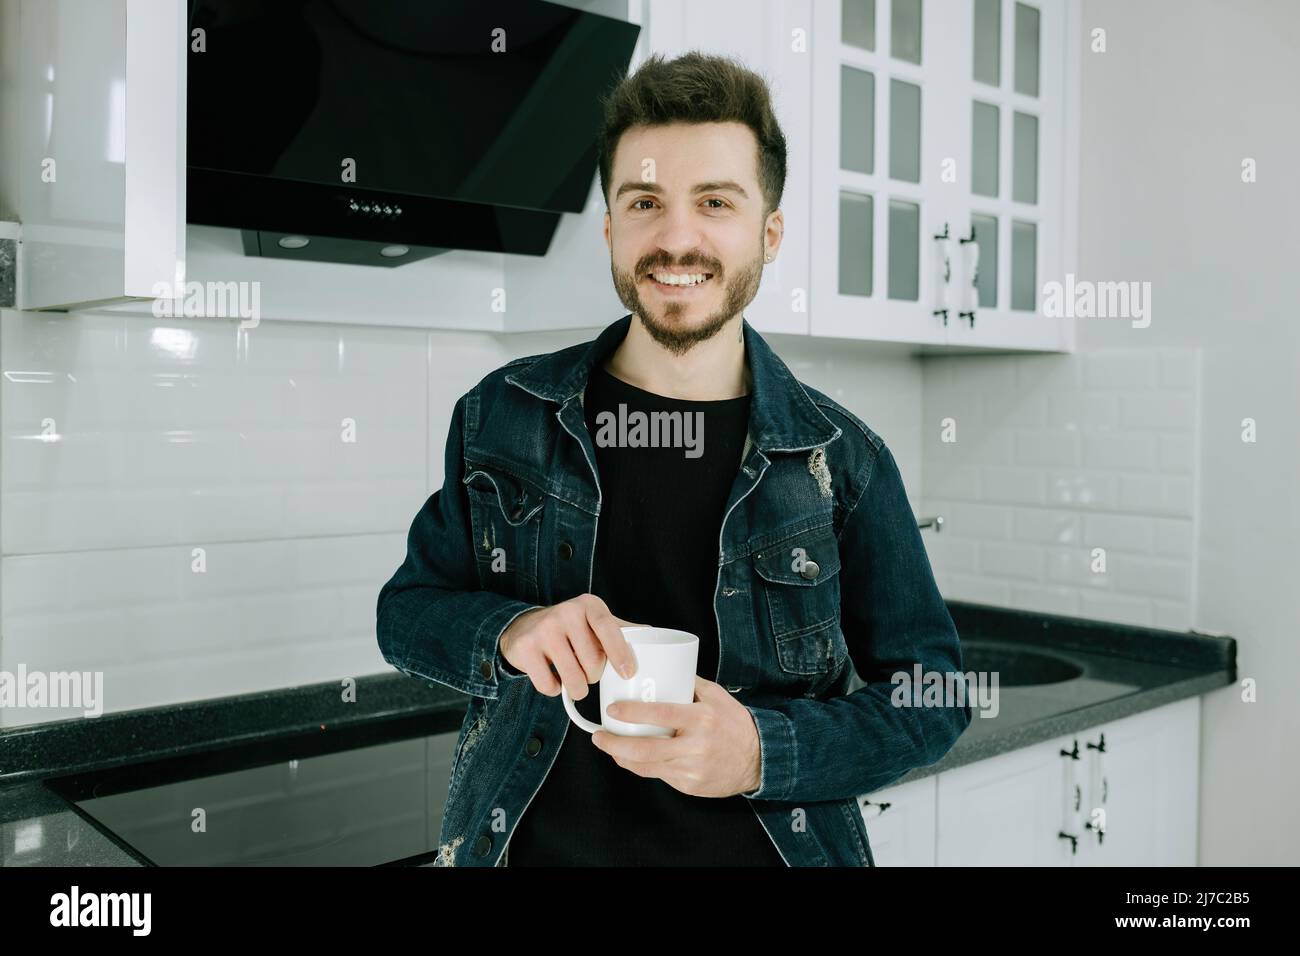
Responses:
[782,417]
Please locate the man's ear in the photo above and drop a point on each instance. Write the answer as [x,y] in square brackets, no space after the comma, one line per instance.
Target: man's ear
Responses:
[608,245]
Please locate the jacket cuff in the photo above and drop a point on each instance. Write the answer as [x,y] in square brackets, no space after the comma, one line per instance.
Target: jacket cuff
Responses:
[779,760]
[491,631]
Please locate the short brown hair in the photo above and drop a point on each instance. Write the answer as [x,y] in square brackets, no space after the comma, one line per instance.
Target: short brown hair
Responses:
[695,88]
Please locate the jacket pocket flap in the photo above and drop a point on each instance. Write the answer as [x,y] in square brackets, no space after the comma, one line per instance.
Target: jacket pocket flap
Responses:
[804,559]
[517,499]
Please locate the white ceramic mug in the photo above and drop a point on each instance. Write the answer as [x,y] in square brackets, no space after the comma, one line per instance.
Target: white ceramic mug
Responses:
[665,672]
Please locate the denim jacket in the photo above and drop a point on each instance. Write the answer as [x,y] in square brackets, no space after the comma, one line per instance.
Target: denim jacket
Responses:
[792,626]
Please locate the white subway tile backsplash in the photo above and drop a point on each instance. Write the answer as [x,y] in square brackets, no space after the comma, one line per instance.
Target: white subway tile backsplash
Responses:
[1117,607]
[1012,560]
[1049,447]
[1046,526]
[1111,370]
[1172,410]
[174,433]
[1103,456]
[1120,450]
[1154,577]
[1173,537]
[1075,567]
[1014,485]
[1082,489]
[1116,532]
[1049,600]
[258,615]
[1155,495]
[1177,454]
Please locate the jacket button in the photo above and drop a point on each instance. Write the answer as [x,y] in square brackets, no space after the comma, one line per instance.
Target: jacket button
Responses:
[482,846]
[566,550]
[811,569]
[533,747]
[485,668]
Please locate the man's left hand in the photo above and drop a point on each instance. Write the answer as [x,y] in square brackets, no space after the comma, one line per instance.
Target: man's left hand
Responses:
[714,753]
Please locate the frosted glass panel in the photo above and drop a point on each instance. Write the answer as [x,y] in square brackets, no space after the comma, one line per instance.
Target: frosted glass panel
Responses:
[988,41]
[1024,159]
[904,250]
[1024,246]
[857,120]
[984,150]
[856,244]
[858,23]
[1026,50]
[986,235]
[905,30]
[904,131]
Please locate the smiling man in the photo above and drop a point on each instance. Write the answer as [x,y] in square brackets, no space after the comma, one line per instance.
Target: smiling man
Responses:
[785,543]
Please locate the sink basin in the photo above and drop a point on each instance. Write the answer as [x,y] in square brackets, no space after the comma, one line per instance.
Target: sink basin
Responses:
[1017,666]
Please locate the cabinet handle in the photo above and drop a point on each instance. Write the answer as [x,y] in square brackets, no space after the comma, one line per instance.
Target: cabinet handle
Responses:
[868,806]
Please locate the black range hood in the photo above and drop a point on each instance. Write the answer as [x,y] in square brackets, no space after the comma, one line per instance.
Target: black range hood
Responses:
[385,132]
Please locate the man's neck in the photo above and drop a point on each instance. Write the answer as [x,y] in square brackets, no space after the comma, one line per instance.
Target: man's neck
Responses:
[710,370]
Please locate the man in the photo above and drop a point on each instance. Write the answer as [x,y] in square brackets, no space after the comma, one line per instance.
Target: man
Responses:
[783,539]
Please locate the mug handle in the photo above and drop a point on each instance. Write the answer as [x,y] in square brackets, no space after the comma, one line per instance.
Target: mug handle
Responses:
[576,717]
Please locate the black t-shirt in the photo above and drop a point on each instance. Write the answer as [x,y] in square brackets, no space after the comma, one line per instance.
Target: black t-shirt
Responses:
[656,563]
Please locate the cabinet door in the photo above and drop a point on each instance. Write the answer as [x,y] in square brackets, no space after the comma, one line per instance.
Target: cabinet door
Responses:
[900,822]
[98,187]
[771,37]
[1008,810]
[879,130]
[1145,782]
[1009,194]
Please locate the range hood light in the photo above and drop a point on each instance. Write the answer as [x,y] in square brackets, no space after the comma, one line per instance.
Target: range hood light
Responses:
[393,252]
[294,242]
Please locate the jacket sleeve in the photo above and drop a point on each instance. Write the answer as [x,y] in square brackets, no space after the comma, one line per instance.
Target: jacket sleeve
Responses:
[893,620]
[433,620]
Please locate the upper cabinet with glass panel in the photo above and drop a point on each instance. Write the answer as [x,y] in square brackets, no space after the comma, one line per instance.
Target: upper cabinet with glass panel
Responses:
[936,118]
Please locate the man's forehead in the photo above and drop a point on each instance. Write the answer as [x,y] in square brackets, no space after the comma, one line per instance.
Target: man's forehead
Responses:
[731,158]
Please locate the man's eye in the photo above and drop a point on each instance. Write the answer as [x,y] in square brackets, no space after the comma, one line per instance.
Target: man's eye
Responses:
[639,201]
[722,203]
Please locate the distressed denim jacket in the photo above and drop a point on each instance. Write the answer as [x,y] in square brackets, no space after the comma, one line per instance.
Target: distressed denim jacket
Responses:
[821,569]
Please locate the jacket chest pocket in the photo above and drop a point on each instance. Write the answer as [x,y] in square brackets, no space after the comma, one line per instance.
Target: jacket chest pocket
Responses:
[505,521]
[800,582]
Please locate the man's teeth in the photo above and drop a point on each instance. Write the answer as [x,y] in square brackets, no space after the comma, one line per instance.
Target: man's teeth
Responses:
[693,278]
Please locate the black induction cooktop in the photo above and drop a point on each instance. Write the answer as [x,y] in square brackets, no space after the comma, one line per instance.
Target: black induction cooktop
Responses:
[368,796]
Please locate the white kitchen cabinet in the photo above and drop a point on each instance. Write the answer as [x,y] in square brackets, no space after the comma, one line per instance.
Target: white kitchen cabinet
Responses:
[1146,782]
[900,822]
[1009,810]
[98,187]
[926,123]
[1022,807]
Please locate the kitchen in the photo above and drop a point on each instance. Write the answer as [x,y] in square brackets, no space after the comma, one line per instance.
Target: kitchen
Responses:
[983,200]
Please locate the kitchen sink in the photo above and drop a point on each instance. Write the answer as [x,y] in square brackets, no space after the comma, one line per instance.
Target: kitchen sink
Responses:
[1017,666]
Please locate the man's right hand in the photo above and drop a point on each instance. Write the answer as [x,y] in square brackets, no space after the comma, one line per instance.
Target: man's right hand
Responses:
[572,639]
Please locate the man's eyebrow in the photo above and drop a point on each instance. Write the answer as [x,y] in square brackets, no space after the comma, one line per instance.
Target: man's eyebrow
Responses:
[715,186]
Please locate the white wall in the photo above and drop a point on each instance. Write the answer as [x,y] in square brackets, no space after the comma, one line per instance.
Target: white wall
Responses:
[126,443]
[1141,431]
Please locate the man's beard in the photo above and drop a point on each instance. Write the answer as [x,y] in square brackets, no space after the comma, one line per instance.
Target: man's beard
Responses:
[737,294]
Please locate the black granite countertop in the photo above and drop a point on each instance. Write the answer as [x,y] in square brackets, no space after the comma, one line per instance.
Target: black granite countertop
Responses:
[1126,670]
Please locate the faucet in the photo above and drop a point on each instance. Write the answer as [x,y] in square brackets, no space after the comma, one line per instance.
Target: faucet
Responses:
[936,522]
